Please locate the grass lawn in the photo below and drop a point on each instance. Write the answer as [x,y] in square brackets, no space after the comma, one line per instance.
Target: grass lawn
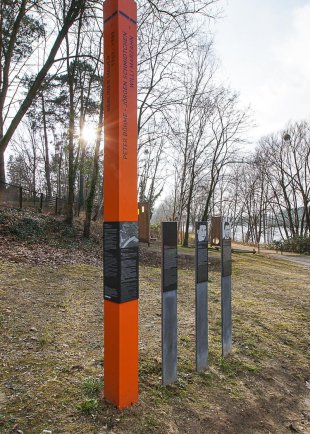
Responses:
[51,350]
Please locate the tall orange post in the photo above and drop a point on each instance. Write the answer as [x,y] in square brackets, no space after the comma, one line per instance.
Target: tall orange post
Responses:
[120,203]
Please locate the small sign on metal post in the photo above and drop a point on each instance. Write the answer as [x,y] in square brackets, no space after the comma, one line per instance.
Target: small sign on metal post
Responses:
[169,302]
[226,287]
[201,267]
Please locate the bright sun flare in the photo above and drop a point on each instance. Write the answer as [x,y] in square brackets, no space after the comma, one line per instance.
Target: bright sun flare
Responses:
[89,133]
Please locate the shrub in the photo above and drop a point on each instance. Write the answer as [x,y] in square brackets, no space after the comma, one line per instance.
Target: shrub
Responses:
[296,244]
[26,228]
[155,230]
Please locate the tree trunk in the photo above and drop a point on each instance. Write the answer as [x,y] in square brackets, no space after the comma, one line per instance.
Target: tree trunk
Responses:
[2,165]
[46,153]
[71,174]
[82,176]
[94,178]
[188,208]
[72,167]
[186,234]
[2,175]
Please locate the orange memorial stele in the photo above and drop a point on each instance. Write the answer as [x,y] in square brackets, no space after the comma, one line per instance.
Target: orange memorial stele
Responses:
[120,203]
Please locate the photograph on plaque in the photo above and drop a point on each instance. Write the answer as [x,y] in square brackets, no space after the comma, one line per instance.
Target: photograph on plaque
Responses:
[201,252]
[202,235]
[129,235]
[226,229]
[226,247]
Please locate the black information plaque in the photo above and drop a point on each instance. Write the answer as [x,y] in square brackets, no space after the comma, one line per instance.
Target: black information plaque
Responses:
[121,261]
[201,252]
[226,258]
[169,256]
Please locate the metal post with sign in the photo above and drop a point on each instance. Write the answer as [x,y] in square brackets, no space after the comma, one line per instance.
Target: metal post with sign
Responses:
[201,267]
[120,203]
[226,287]
[169,302]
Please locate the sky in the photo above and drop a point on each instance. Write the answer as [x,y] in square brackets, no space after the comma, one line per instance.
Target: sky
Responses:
[263,47]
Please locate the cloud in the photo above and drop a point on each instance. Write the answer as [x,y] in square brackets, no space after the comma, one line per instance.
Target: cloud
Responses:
[285,90]
[293,54]
[264,47]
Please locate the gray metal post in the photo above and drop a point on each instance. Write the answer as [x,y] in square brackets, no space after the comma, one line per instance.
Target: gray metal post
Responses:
[226,316]
[226,287]
[201,273]
[169,302]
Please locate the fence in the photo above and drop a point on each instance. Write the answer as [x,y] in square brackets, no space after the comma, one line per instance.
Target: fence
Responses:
[16,196]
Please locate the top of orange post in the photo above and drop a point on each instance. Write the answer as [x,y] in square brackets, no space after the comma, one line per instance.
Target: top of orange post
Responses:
[120,124]
[118,6]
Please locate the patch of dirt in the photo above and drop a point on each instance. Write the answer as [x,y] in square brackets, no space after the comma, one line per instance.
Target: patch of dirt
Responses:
[151,256]
[52,254]
[32,238]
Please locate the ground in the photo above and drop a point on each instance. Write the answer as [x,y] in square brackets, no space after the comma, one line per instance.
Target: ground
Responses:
[302,260]
[52,349]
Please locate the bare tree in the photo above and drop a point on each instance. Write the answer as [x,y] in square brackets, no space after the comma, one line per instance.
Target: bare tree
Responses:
[287,170]
[13,22]
[167,32]
[189,129]
[227,126]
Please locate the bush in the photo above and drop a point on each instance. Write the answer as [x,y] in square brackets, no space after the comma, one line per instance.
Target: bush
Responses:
[297,245]
[29,225]
[26,228]
[155,231]
[294,244]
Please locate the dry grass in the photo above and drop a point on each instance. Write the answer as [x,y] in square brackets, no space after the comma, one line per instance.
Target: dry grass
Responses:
[51,353]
